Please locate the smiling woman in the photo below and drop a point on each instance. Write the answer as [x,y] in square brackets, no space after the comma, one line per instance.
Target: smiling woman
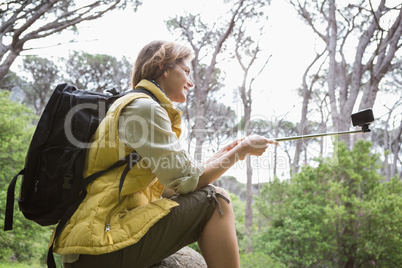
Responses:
[146,225]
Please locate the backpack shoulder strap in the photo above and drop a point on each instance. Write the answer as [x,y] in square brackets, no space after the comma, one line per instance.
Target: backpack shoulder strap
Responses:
[134,157]
[145,91]
[9,213]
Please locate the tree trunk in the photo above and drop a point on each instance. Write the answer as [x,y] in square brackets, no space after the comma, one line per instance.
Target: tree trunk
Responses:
[387,145]
[249,198]
[396,147]
[245,93]
[5,66]
[200,123]
[203,85]
[249,202]
[276,152]
[303,122]
[306,94]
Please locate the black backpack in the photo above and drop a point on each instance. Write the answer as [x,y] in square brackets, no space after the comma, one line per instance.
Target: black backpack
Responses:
[53,185]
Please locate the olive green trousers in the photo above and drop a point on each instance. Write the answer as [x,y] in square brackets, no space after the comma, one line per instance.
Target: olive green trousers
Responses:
[181,227]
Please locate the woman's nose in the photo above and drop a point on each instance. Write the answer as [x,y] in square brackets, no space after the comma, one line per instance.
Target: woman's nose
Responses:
[190,83]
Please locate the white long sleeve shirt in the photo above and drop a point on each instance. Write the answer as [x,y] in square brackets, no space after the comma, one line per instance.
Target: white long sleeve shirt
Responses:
[145,126]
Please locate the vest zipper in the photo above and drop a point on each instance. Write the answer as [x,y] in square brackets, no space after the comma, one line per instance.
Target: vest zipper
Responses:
[109,234]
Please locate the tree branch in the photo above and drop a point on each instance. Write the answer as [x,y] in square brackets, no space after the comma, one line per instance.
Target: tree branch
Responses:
[222,39]
[22,15]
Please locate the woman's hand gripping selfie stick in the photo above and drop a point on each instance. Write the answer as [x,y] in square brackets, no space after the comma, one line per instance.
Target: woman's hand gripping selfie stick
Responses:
[362,118]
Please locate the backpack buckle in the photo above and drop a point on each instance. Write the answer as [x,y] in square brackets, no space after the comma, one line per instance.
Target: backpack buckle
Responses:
[68,177]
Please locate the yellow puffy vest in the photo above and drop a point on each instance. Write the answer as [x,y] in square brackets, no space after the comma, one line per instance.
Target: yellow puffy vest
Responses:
[101,223]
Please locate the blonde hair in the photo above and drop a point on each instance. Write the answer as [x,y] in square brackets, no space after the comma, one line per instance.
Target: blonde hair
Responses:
[156,54]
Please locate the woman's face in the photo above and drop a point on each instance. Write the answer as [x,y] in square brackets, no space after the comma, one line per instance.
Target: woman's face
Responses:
[176,81]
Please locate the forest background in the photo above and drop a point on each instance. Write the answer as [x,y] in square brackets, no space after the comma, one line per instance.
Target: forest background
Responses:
[312,203]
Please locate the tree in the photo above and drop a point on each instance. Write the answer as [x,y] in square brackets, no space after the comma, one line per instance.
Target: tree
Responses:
[207,41]
[306,94]
[10,81]
[374,32]
[15,133]
[214,109]
[97,72]
[338,214]
[85,71]
[28,241]
[389,139]
[282,128]
[389,132]
[44,77]
[27,20]
[247,51]
[220,123]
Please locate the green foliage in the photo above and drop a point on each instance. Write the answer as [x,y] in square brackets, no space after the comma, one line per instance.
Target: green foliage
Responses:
[337,214]
[27,242]
[15,134]
[10,80]
[383,239]
[43,77]
[195,247]
[15,265]
[239,213]
[258,260]
[98,72]
[296,234]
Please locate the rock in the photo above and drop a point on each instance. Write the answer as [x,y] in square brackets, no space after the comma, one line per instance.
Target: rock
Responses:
[185,257]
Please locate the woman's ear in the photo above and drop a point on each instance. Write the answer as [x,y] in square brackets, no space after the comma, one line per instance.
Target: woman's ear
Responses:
[163,69]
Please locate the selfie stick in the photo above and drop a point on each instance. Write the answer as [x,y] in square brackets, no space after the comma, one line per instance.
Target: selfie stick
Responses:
[362,118]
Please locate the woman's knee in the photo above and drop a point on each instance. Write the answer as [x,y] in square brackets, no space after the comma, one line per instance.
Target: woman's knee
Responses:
[223,192]
[223,201]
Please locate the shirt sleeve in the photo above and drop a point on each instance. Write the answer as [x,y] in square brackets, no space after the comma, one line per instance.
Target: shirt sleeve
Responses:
[145,126]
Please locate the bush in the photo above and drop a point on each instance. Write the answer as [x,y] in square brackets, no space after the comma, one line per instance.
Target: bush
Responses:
[258,260]
[341,212]
[27,242]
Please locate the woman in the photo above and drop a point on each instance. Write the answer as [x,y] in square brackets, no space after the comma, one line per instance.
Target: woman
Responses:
[144,227]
